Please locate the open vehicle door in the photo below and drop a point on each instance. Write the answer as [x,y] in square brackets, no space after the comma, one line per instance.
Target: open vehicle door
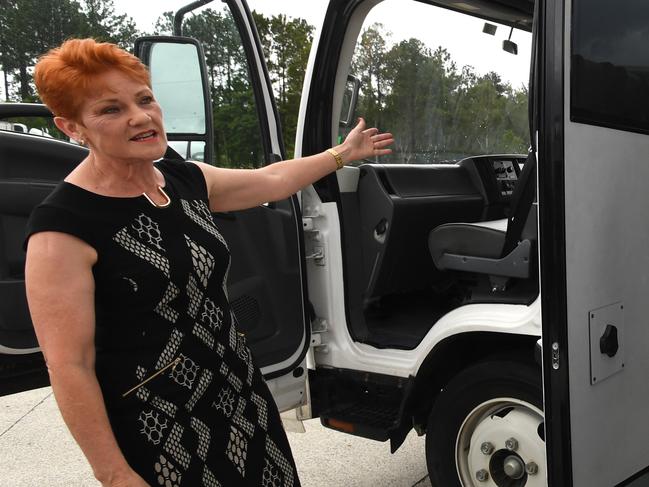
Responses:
[593,171]
[265,284]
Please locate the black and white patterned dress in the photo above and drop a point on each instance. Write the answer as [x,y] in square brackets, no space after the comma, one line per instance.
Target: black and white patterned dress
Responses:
[205,417]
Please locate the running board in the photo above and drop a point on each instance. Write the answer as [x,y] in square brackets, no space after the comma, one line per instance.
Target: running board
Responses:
[362,419]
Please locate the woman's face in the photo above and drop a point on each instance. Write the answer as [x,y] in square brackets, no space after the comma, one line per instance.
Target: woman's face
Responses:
[122,120]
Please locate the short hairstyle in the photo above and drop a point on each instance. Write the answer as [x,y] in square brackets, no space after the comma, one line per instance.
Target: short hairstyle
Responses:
[65,75]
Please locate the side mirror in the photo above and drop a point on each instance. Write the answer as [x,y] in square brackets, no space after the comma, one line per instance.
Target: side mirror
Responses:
[510,46]
[350,99]
[180,84]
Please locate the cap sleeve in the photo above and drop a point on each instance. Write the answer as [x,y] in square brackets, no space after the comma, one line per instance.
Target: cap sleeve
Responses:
[48,218]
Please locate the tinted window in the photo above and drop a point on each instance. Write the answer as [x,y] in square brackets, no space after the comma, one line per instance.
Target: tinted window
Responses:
[610,64]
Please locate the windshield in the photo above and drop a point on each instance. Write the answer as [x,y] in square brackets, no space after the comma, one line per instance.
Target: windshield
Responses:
[442,82]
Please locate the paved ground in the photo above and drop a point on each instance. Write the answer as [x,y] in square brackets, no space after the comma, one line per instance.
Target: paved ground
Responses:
[36,449]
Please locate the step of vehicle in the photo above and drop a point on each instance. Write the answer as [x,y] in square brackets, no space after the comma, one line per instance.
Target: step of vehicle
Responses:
[362,419]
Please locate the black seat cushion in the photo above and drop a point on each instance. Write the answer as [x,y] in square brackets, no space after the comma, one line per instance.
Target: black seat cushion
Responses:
[483,239]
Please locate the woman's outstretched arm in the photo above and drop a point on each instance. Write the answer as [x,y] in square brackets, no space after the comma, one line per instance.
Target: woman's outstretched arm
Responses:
[237,189]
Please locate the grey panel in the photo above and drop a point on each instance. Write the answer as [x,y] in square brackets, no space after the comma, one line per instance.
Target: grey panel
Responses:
[606,202]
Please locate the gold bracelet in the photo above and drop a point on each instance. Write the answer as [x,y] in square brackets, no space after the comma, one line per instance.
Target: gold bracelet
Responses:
[339,159]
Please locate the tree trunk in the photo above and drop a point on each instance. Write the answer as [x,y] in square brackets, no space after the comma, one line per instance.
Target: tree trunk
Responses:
[4,70]
[25,90]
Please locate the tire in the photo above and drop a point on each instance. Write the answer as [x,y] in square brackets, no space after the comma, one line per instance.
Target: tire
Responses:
[487,404]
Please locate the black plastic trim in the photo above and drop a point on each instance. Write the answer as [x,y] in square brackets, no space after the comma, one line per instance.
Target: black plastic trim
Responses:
[271,157]
[257,82]
[553,240]
[644,473]
[24,110]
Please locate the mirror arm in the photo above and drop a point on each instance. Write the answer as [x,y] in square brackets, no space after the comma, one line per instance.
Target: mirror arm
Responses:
[180,14]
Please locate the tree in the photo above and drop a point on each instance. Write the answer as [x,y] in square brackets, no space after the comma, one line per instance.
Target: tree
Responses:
[32,27]
[286,43]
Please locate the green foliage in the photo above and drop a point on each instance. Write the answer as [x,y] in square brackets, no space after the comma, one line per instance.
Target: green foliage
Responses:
[29,28]
[436,111]
[286,43]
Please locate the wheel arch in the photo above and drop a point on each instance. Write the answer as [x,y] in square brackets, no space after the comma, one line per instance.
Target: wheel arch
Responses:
[455,354]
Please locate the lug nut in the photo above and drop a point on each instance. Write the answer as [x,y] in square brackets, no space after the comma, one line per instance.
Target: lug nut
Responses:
[482,475]
[487,448]
[532,468]
[511,444]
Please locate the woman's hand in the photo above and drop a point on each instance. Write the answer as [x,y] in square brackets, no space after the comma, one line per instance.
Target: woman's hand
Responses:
[128,479]
[363,143]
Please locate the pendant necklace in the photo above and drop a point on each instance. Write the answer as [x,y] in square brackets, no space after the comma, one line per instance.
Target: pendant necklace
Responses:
[165,195]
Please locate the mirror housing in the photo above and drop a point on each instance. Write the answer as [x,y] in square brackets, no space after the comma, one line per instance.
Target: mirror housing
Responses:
[490,29]
[510,46]
[350,100]
[180,84]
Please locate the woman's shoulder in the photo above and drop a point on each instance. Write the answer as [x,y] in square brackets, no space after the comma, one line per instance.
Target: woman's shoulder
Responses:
[185,174]
[67,209]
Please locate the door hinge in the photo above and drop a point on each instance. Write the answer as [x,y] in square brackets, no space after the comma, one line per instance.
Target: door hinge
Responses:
[556,357]
[314,248]
[319,327]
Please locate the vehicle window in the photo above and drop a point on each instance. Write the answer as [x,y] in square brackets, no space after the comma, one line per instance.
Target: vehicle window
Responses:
[43,126]
[237,133]
[610,64]
[442,86]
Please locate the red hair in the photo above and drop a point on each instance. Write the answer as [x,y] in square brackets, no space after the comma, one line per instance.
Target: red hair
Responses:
[64,76]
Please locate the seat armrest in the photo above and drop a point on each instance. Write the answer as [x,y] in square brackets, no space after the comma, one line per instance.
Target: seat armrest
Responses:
[514,264]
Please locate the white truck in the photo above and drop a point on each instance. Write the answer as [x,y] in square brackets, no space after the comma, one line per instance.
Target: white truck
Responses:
[499,311]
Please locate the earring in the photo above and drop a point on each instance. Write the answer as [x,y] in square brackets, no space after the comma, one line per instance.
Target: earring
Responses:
[82,142]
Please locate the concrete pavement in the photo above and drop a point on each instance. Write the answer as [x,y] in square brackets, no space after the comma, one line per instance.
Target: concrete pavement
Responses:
[36,449]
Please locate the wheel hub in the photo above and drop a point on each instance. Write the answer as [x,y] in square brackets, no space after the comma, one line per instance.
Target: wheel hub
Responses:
[500,437]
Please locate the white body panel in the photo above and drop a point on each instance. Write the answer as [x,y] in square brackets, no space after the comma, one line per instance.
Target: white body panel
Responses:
[327,296]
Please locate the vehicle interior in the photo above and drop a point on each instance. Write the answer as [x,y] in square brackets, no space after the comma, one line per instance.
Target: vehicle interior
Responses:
[443,221]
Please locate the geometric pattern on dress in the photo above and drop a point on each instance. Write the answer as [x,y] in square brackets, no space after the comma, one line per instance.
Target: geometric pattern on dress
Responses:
[173,447]
[163,309]
[235,382]
[280,460]
[185,371]
[220,349]
[240,420]
[212,315]
[203,261]
[203,384]
[152,426]
[195,296]
[142,251]
[203,433]
[170,350]
[142,392]
[209,480]
[237,450]
[224,369]
[262,410]
[271,476]
[233,337]
[165,406]
[200,214]
[203,335]
[226,401]
[148,231]
[168,474]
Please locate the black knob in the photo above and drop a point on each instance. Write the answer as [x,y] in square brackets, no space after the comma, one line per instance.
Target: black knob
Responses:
[608,343]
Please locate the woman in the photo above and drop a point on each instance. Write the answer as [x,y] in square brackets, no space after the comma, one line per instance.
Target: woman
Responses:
[126,277]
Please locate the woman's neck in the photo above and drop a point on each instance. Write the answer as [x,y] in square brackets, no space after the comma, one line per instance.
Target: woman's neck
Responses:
[116,178]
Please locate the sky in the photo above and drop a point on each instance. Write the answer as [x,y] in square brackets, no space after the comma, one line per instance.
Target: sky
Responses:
[461,35]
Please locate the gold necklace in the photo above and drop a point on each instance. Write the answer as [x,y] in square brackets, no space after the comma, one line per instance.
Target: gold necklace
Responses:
[162,192]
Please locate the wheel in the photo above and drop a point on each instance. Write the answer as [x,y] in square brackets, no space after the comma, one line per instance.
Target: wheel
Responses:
[486,428]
